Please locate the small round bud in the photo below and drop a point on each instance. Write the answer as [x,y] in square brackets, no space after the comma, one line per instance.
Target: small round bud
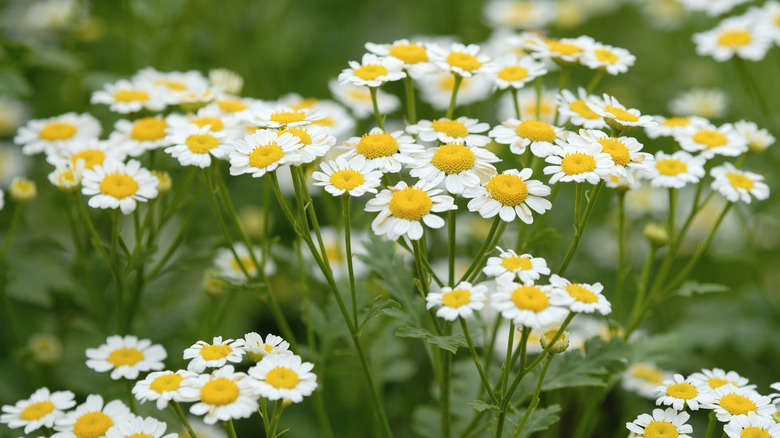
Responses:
[229,81]
[45,348]
[164,185]
[286,402]
[560,345]
[212,284]
[23,190]
[656,234]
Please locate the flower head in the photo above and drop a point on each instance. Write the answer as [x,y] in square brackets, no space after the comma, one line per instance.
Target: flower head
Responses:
[126,356]
[225,394]
[459,59]
[578,164]
[457,165]
[540,136]
[663,423]
[386,151]
[257,348]
[527,304]
[738,185]
[92,419]
[118,185]
[52,134]
[580,297]
[42,409]
[373,71]
[675,170]
[166,386]
[404,209]
[355,176]
[509,194]
[214,355]
[284,377]
[680,393]
[263,152]
[458,301]
[412,54]
[525,267]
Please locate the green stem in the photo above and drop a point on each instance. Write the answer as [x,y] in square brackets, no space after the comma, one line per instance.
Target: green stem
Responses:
[510,344]
[644,278]
[579,228]
[538,90]
[485,247]
[446,364]
[713,421]
[475,358]
[182,419]
[15,219]
[455,87]
[377,116]
[451,222]
[595,81]
[231,430]
[348,243]
[534,397]
[277,414]
[518,114]
[621,268]
[411,110]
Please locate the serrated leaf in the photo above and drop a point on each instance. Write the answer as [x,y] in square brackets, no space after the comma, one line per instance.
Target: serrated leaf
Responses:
[540,419]
[690,288]
[449,343]
[481,406]
[380,306]
[600,359]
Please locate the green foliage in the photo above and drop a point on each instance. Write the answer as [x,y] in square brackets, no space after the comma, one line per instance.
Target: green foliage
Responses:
[593,367]
[449,343]
[539,420]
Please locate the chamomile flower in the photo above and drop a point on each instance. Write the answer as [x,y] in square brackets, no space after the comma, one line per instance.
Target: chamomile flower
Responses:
[141,135]
[280,116]
[355,176]
[89,153]
[115,184]
[575,110]
[214,355]
[459,59]
[230,126]
[127,97]
[538,135]
[240,107]
[717,377]
[562,51]
[284,377]
[262,152]
[126,357]
[226,80]
[194,146]
[738,185]
[662,423]
[412,54]
[728,402]
[165,386]
[403,210]
[670,126]
[643,378]
[67,177]
[436,89]
[675,170]
[140,427]
[580,297]
[711,140]
[458,302]
[336,119]
[358,99]
[525,267]
[578,164]
[618,116]
[257,348]
[315,141]
[457,165]
[92,419]
[225,394]
[462,129]
[521,14]
[512,72]
[373,71]
[613,60]
[680,392]
[173,82]
[386,151]
[752,425]
[52,134]
[42,409]
[711,7]
[229,266]
[509,194]
[757,139]
[527,304]
[742,37]
[709,103]
[625,151]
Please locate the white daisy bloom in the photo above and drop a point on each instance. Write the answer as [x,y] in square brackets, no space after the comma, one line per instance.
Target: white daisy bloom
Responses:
[226,80]
[526,100]
[89,153]
[707,103]
[229,267]
[280,116]
[510,71]
[126,97]
[462,129]
[614,60]
[358,99]
[523,14]
[459,59]
[225,394]
[386,151]
[738,185]
[262,152]
[509,194]
[757,139]
[92,419]
[284,377]
[336,118]
[667,422]
[711,140]
[355,176]
[458,166]
[670,126]
[141,135]
[412,54]
[616,115]
[52,134]
[580,297]
[175,82]
[717,377]
[67,177]
[742,37]
[257,348]
[575,110]
[315,141]
[457,302]
[711,7]
[680,392]
[214,355]
[140,427]
[519,135]
[13,113]
[436,89]
[769,14]
[234,106]
[118,185]
[126,356]
[165,386]
[728,402]
[212,116]
[194,146]
[525,267]
[373,71]
[42,409]
[403,210]
[527,304]
[752,425]
[675,170]
[624,151]
[564,50]
[578,163]
[643,378]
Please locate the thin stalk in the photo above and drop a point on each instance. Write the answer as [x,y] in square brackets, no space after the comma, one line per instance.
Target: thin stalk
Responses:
[485,246]
[411,110]
[182,419]
[231,430]
[518,114]
[534,397]
[455,87]
[595,81]
[377,116]
[264,415]
[621,268]
[278,408]
[477,363]
[713,421]
[17,216]
[451,222]
[444,399]
[348,244]
[580,228]
[538,90]
[510,344]
[644,278]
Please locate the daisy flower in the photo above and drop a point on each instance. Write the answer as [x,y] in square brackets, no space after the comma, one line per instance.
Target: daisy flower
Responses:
[738,185]
[175,82]
[519,135]
[670,126]
[279,116]
[140,427]
[213,355]
[225,394]
[711,7]
[412,54]
[257,348]
[234,106]
[716,378]
[165,386]
[52,134]
[118,185]
[358,99]
[194,146]
[67,177]
[386,151]
[403,210]
[521,14]
[661,424]
[355,176]
[141,135]
[527,304]
[92,419]
[562,51]
[509,194]
[459,59]
[88,154]
[643,378]
[675,170]
[457,302]
[510,71]
[580,297]
[457,165]
[373,71]
[712,140]
[614,60]
[624,151]
[742,37]
[226,80]
[707,103]
[616,115]
[284,377]
[315,141]
[262,152]
[230,267]
[752,425]
[575,110]
[463,129]
[436,89]
[42,409]
[127,97]
[126,356]
[728,402]
[526,267]
[757,139]
[212,116]
[578,164]
[680,392]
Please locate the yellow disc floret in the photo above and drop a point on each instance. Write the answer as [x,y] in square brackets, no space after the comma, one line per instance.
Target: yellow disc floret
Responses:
[118,185]
[581,293]
[215,352]
[513,263]
[577,163]
[215,123]
[676,121]
[456,298]
[530,298]
[57,131]
[370,72]
[377,145]
[735,38]
[535,130]
[563,49]
[616,149]
[620,114]
[125,356]
[346,179]
[453,158]
[149,129]
[287,117]
[231,105]
[507,189]
[739,181]
[606,55]
[265,155]
[92,425]
[754,432]
[513,73]
[683,390]
[710,138]
[201,143]
[409,53]
[410,203]
[670,167]
[737,404]
[36,411]
[661,429]
[91,157]
[453,128]
[129,95]
[219,392]
[282,378]
[166,382]
[580,107]
[300,133]
[463,60]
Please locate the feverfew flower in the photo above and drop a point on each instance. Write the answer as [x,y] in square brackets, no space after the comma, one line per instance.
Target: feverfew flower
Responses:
[728,402]
[457,165]
[578,164]
[680,392]
[509,194]
[280,116]
[194,146]
[521,14]
[87,154]
[527,304]
[126,356]
[757,139]
[675,170]
[176,84]
[384,150]
[213,355]
[742,37]
[413,55]
[738,185]
[263,152]
[752,425]
[716,378]
[315,141]
[624,151]
[462,129]
[670,126]
[458,302]
[126,97]
[257,348]
[643,378]
[711,7]
[284,377]
[616,115]
[92,419]
[613,60]
[712,140]
[166,386]
[662,423]
[525,267]
[512,72]
[52,134]
[67,177]
[403,210]
[519,135]
[225,394]
[373,71]
[358,99]
[575,110]
[141,135]
[118,185]
[140,427]
[580,297]
[562,51]
[227,80]
[459,59]
[233,268]
[42,409]
[355,176]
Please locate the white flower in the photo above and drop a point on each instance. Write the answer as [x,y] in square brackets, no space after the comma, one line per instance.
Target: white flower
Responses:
[226,80]
[118,185]
[711,7]
[126,356]
[459,59]
[742,37]
[87,154]
[510,71]
[509,194]
[140,427]
[614,60]
[67,177]
[525,267]
[413,55]
[462,129]
[707,103]
[257,348]
[716,378]
[680,392]
[624,151]
[757,139]
[92,419]
[523,14]
[662,423]
[284,377]
[166,386]
[580,297]
[141,135]
[315,141]
[336,118]
[358,99]
[578,164]
[670,126]
[232,268]
[386,151]
[527,304]
[373,71]
[225,394]
[575,110]
[643,378]
[436,89]
[738,185]
[52,134]
[194,146]
[213,355]
[262,152]
[457,165]
[281,116]
[126,97]
[42,409]
[176,84]
[459,301]
[712,140]
[616,115]
[403,210]
[752,424]
[728,402]
[564,50]
[539,135]
[230,126]
[13,113]
[675,170]
[355,176]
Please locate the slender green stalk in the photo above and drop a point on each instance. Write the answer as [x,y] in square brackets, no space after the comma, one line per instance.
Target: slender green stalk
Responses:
[753,90]
[552,342]
[231,430]
[510,347]
[713,421]
[595,81]
[534,398]
[523,346]
[485,247]
[451,222]
[455,87]
[348,244]
[444,399]
[278,408]
[378,117]
[264,415]
[580,190]
[182,419]
[130,397]
[621,268]
[518,113]
[580,227]
[644,278]
[17,215]
[475,358]
[411,109]
[670,226]
[538,90]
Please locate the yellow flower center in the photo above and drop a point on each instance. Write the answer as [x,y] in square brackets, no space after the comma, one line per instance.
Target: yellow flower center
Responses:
[219,392]
[92,425]
[410,203]
[464,61]
[453,158]
[513,73]
[683,390]
[91,157]
[36,411]
[140,435]
[563,49]
[535,130]
[231,105]
[166,382]
[514,263]
[661,429]
[580,107]
[456,298]
[453,128]
[754,432]
[201,143]
[148,129]
[300,133]
[409,53]
[325,121]
[716,382]
[57,131]
[581,293]
[737,404]
[621,114]
[67,178]
[131,95]
[530,298]
[606,55]
[282,378]
[739,181]
[670,167]
[215,352]
[735,38]
[507,189]
[118,185]
[215,123]
[544,108]
[125,356]
[676,121]
[346,179]
[370,72]
[577,163]
[265,155]
[649,374]
[287,117]
[268,347]
[617,150]
[171,84]
[243,263]
[377,145]
[710,138]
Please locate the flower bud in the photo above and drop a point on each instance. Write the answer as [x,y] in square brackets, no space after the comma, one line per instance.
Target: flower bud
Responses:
[45,348]
[23,190]
[560,345]
[164,185]
[656,234]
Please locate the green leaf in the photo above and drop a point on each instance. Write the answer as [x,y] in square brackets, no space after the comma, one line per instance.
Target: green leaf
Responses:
[380,306]
[480,406]
[692,287]
[449,343]
[593,368]
[540,419]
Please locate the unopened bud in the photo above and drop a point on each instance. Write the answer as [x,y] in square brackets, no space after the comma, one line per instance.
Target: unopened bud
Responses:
[656,234]
[164,183]
[23,190]
[560,345]
[45,348]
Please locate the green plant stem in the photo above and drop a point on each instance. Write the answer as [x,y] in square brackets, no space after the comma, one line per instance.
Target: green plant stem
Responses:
[712,422]
[96,241]
[753,90]
[518,113]
[477,363]
[670,226]
[580,227]
[595,81]
[264,415]
[578,194]
[411,109]
[377,116]
[534,398]
[510,344]
[451,222]
[115,269]
[444,402]
[348,245]
[231,430]
[621,268]
[455,87]
[182,419]
[494,235]
[277,414]
[9,235]
[538,90]
[644,279]
[552,342]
